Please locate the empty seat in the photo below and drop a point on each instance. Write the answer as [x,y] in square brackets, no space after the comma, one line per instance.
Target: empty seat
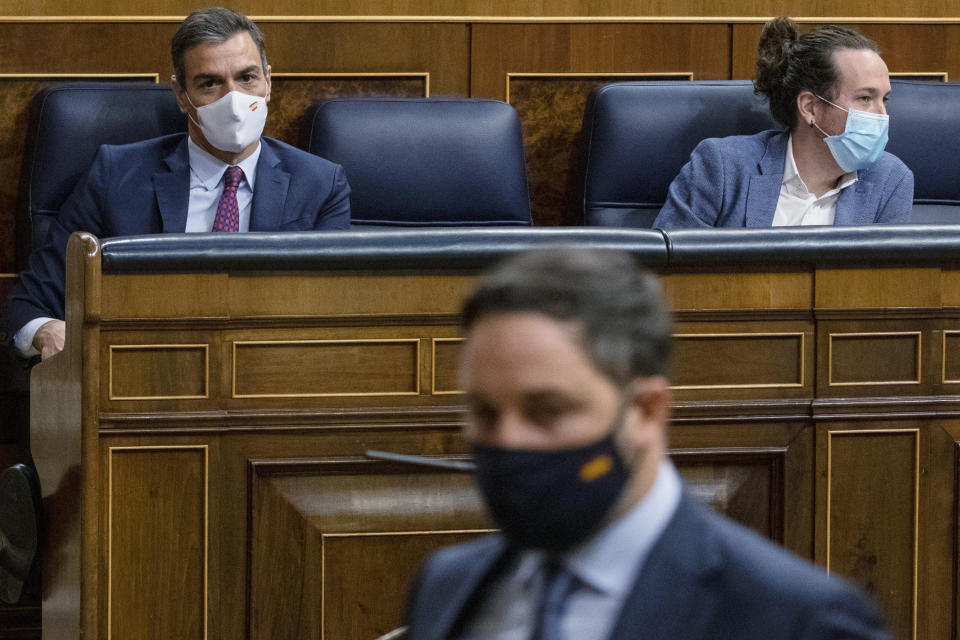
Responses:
[925,134]
[426,162]
[637,136]
[68,123]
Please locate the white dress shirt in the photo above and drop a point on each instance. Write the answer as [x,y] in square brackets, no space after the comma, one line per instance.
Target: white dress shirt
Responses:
[605,565]
[206,185]
[797,206]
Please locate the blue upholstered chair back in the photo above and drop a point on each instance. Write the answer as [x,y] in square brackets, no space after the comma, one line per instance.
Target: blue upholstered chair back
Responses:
[68,123]
[637,136]
[925,134]
[426,162]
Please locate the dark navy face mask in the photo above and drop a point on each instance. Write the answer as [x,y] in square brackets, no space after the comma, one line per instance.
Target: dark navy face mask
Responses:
[551,500]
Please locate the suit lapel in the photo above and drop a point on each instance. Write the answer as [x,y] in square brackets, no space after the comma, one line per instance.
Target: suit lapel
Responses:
[763,190]
[172,189]
[671,597]
[270,192]
[853,204]
[459,591]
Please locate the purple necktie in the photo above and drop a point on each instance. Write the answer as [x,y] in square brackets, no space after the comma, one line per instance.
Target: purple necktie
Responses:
[228,211]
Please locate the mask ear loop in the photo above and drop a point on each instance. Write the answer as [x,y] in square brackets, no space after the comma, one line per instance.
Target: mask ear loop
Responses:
[813,123]
[187,96]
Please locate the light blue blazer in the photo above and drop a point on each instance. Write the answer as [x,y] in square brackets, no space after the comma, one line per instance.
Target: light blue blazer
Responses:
[735,182]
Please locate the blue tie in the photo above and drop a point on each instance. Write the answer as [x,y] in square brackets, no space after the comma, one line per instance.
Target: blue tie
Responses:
[557,584]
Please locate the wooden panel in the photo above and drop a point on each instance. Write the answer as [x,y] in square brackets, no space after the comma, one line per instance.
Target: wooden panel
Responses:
[157,372]
[163,296]
[876,547]
[950,371]
[307,549]
[446,355]
[740,290]
[880,287]
[332,295]
[158,541]
[310,368]
[732,360]
[874,358]
[747,487]
[497,8]
[551,110]
[906,48]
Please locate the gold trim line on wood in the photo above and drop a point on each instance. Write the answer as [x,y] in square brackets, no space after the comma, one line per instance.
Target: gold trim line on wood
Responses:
[767,385]
[416,392]
[830,336]
[916,502]
[141,347]
[943,357]
[427,532]
[206,524]
[433,367]
[8,275]
[71,76]
[494,19]
[425,75]
[680,75]
[943,75]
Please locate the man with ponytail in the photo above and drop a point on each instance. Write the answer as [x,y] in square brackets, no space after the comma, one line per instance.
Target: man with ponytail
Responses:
[828,88]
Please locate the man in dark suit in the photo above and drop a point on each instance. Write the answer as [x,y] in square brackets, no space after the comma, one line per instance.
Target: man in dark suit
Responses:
[221,176]
[564,367]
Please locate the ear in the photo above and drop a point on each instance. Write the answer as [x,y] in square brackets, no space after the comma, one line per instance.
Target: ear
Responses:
[806,108]
[180,94]
[650,399]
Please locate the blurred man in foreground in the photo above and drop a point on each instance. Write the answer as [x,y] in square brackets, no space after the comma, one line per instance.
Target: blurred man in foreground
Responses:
[565,369]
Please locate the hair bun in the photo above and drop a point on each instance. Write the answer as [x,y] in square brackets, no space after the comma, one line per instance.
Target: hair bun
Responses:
[773,53]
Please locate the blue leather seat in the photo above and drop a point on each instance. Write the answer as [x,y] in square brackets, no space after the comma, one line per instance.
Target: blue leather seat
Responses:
[68,123]
[426,162]
[637,136]
[925,134]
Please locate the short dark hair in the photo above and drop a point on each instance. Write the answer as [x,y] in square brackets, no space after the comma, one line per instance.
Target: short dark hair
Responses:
[788,63]
[617,304]
[213,25]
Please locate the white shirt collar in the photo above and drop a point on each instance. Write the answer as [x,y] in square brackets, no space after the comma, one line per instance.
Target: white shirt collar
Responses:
[209,170]
[792,179]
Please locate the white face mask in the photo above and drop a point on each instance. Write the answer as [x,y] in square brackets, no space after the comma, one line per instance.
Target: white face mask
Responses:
[233,122]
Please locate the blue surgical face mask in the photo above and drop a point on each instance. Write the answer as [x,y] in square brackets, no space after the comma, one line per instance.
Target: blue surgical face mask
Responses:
[862,140]
[551,500]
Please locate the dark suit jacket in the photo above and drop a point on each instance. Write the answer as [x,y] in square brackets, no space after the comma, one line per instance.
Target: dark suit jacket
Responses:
[705,578]
[735,182]
[144,188]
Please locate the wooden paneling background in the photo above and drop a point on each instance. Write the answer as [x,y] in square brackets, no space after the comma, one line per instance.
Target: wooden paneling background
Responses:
[543,57]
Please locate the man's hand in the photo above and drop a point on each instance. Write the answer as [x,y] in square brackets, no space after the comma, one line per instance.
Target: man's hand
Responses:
[48,339]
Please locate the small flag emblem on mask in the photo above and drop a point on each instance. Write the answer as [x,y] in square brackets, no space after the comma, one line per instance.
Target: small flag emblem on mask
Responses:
[596,468]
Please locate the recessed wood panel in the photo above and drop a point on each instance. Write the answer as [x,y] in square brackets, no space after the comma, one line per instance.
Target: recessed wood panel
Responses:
[874,358]
[446,356]
[157,548]
[951,358]
[157,372]
[738,360]
[292,94]
[739,290]
[872,517]
[334,546]
[313,368]
[746,487]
